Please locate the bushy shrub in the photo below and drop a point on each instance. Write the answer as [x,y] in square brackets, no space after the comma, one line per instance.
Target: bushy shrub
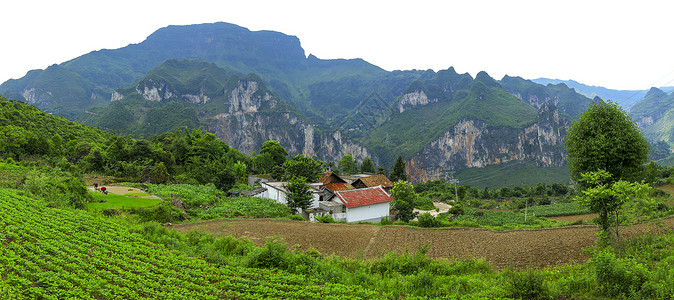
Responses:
[326,218]
[456,209]
[618,277]
[385,221]
[404,264]
[424,203]
[529,284]
[274,255]
[427,220]
[162,213]
[296,218]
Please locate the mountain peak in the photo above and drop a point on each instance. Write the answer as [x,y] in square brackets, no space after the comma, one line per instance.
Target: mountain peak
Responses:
[483,77]
[656,92]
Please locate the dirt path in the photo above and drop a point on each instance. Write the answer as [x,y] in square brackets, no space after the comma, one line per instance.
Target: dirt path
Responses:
[123,190]
[517,248]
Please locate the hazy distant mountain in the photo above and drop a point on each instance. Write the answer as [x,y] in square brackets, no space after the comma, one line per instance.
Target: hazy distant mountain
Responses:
[248,87]
[625,98]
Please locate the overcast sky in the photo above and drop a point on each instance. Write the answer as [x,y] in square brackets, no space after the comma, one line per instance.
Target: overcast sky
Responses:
[616,44]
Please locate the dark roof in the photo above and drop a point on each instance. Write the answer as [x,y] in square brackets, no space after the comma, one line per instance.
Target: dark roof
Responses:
[375,180]
[254,191]
[330,177]
[339,186]
[363,197]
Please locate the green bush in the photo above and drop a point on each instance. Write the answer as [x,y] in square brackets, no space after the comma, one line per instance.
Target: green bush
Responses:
[456,209]
[385,221]
[162,213]
[529,284]
[424,203]
[427,220]
[296,218]
[618,277]
[326,218]
[274,255]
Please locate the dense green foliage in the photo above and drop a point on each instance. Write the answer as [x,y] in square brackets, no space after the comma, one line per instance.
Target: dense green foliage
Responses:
[367,166]
[605,196]
[605,138]
[303,166]
[300,195]
[405,197]
[207,202]
[347,165]
[399,171]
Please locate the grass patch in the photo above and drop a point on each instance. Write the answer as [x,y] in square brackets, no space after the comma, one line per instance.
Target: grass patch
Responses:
[558,210]
[120,201]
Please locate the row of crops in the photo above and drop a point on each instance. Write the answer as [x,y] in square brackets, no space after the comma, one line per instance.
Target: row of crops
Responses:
[56,254]
[196,196]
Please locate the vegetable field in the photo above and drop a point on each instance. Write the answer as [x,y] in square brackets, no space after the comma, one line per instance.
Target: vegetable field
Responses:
[51,253]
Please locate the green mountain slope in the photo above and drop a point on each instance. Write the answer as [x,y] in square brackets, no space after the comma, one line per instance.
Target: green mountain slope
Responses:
[655,115]
[625,98]
[408,132]
[567,100]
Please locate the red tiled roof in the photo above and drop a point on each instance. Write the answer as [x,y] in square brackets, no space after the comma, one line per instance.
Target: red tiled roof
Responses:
[339,186]
[362,197]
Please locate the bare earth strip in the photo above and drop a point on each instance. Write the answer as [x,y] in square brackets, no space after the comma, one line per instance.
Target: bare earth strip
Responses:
[516,248]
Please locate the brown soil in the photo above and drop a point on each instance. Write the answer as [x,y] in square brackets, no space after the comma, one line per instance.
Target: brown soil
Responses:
[517,248]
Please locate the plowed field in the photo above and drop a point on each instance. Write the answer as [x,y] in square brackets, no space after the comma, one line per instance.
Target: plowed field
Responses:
[517,248]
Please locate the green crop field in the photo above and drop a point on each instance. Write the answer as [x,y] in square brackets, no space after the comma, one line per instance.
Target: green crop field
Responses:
[51,253]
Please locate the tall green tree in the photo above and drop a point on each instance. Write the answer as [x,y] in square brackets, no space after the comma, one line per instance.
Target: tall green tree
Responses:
[367,166]
[300,195]
[404,198]
[399,172]
[303,166]
[347,165]
[605,138]
[275,151]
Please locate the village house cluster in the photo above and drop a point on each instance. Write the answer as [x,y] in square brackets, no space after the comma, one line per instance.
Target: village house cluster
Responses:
[350,198]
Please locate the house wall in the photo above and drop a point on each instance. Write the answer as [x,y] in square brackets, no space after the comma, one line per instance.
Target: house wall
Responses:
[280,196]
[274,194]
[371,213]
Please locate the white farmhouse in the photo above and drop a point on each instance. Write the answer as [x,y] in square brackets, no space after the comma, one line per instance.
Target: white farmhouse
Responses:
[276,190]
[368,204]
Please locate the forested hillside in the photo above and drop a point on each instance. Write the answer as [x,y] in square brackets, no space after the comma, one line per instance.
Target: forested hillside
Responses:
[247,87]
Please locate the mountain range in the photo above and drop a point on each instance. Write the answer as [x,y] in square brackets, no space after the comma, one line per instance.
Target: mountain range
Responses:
[251,86]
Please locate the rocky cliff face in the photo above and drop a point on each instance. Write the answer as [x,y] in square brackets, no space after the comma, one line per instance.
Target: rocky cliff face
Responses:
[413,99]
[471,143]
[535,100]
[251,120]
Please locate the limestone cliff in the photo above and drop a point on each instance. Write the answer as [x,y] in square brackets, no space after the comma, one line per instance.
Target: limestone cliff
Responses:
[416,98]
[253,118]
[471,143]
